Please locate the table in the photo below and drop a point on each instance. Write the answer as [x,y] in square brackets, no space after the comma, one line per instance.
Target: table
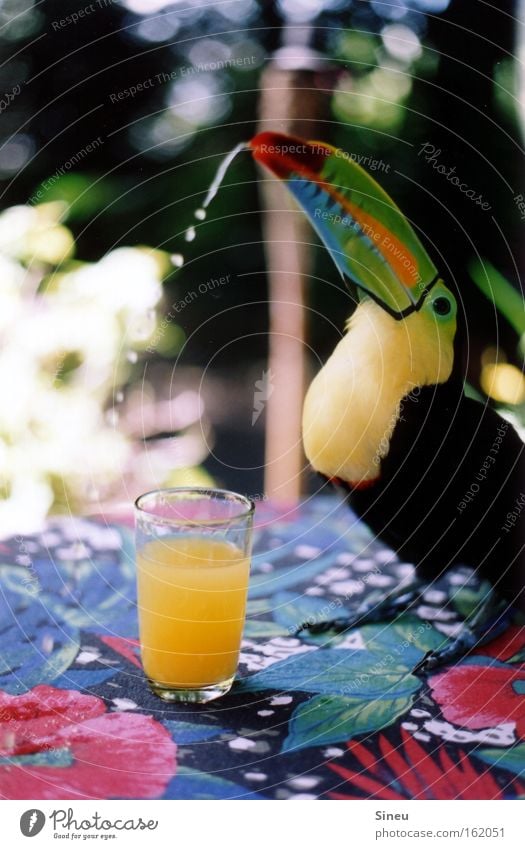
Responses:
[312,717]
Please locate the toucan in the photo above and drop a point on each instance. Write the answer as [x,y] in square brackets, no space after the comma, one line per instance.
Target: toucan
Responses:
[436,475]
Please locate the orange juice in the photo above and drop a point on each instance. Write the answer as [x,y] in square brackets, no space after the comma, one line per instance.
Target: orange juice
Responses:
[192,600]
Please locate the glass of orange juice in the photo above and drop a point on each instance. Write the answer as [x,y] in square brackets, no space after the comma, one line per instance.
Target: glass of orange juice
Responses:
[193,562]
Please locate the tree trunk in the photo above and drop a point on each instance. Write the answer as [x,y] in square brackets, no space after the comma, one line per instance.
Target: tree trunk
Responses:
[290,103]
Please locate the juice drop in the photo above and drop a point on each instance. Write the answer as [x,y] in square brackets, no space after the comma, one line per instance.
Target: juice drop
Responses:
[200,214]
[132,356]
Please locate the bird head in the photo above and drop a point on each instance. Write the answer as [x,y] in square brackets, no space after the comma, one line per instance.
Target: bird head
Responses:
[371,241]
[401,335]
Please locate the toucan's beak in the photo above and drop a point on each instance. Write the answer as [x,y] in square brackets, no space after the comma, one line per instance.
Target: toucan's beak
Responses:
[367,235]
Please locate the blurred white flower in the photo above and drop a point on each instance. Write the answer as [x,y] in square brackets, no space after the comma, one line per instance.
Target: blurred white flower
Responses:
[34,233]
[65,337]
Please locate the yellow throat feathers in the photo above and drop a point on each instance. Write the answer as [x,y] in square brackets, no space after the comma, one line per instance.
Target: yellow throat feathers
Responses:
[353,404]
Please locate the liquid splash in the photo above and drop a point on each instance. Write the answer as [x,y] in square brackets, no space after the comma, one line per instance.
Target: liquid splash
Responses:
[200,214]
[221,173]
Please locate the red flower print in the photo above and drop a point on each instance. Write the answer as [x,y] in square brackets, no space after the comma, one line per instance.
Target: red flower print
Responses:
[100,755]
[506,645]
[409,772]
[481,696]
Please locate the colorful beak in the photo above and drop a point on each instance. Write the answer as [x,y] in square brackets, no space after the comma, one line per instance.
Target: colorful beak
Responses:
[370,240]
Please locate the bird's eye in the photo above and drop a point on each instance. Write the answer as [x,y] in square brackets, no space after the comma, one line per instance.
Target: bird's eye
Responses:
[442,306]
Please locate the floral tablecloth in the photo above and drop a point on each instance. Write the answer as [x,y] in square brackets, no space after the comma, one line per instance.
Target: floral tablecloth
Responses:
[317,716]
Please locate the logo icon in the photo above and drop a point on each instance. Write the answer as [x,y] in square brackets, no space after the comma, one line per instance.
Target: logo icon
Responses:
[263,390]
[32,822]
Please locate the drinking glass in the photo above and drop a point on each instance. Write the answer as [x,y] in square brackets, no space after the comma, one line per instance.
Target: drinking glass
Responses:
[193,550]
